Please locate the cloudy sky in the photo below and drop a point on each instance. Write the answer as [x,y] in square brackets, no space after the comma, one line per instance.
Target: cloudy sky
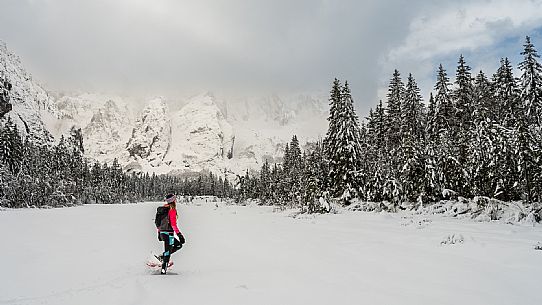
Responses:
[282,45]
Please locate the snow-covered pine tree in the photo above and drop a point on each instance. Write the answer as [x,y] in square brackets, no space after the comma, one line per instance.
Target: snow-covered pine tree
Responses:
[294,171]
[376,156]
[116,181]
[463,108]
[5,88]
[482,100]
[463,94]
[443,102]
[396,92]
[220,187]
[76,139]
[380,129]
[450,173]
[265,183]
[431,139]
[531,83]
[276,184]
[431,131]
[295,153]
[412,113]
[530,123]
[342,144]
[11,146]
[505,91]
[411,157]
[314,179]
[286,159]
[335,107]
[227,188]
[492,164]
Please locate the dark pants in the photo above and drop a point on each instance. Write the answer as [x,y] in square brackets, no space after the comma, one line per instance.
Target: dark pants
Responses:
[171,245]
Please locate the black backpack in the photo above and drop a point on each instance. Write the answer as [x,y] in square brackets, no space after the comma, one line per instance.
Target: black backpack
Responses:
[162,219]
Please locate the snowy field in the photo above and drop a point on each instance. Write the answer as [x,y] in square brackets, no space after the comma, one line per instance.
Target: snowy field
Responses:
[95,254]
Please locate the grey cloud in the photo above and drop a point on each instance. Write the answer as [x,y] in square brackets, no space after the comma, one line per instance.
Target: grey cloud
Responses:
[291,45]
[167,45]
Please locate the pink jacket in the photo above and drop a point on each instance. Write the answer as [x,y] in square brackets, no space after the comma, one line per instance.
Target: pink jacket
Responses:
[173,220]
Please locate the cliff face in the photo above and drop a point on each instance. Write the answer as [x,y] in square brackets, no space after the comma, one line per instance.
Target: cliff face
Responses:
[32,109]
[201,136]
[151,135]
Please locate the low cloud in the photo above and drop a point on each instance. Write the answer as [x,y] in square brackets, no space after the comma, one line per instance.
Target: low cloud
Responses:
[154,46]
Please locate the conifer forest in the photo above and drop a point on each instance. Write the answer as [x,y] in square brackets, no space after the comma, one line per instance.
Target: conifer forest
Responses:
[478,135]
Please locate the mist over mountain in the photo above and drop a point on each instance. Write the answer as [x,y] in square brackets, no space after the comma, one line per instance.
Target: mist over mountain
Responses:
[219,132]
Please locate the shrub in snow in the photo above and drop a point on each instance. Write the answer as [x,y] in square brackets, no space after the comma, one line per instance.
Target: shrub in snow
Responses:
[324,204]
[453,239]
[449,194]
[531,218]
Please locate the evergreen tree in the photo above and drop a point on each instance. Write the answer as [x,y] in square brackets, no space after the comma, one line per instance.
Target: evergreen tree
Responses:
[412,113]
[396,92]
[265,182]
[342,146]
[530,122]
[5,88]
[482,100]
[463,94]
[293,171]
[505,91]
[431,127]
[411,158]
[464,108]
[314,180]
[443,102]
[11,146]
[531,83]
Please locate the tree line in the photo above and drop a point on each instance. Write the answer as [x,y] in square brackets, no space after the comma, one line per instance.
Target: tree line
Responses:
[479,135]
[45,175]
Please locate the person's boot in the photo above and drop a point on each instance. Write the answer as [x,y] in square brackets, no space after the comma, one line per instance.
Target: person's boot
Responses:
[165,263]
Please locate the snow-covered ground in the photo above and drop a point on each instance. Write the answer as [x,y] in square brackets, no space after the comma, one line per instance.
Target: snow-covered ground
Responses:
[95,254]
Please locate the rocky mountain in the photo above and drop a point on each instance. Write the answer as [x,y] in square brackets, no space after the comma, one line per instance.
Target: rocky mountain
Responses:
[33,110]
[106,122]
[223,134]
[151,136]
[201,136]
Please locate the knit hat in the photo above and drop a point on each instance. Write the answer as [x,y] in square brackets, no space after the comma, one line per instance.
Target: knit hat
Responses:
[170,198]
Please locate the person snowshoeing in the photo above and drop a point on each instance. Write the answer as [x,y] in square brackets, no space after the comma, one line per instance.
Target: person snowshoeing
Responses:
[168,232]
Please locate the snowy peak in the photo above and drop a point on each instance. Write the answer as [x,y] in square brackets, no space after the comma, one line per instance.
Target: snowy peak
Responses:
[105,121]
[202,136]
[152,133]
[106,134]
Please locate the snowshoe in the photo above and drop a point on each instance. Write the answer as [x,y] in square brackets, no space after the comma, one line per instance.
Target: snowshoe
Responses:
[155,265]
